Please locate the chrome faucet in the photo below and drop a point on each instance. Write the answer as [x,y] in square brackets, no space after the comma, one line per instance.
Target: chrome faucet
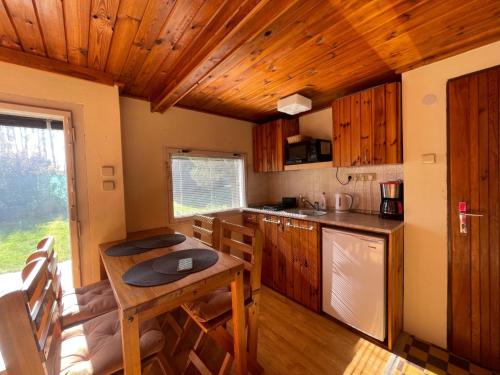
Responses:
[314,206]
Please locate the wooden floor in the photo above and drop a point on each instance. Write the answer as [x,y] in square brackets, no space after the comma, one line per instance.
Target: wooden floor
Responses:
[294,340]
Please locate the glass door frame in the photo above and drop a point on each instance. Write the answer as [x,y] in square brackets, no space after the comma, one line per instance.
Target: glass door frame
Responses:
[70,144]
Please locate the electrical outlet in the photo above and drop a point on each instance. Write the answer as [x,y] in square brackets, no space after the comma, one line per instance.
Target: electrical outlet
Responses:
[364,176]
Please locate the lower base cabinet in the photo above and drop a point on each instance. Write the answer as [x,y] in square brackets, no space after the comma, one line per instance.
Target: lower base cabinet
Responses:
[291,257]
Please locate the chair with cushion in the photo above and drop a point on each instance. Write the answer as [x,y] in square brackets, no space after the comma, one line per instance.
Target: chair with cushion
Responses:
[212,311]
[33,342]
[78,304]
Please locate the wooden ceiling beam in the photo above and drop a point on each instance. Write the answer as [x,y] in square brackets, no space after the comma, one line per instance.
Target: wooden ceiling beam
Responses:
[166,55]
[378,50]
[54,66]
[180,18]
[305,26]
[248,20]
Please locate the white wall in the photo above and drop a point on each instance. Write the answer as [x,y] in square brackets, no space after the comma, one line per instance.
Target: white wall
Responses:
[317,124]
[426,245]
[145,137]
[96,116]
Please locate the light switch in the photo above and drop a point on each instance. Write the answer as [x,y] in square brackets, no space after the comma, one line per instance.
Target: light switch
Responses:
[429,158]
[108,171]
[108,185]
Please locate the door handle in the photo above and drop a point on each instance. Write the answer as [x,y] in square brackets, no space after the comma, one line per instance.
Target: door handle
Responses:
[277,222]
[462,217]
[473,215]
[290,225]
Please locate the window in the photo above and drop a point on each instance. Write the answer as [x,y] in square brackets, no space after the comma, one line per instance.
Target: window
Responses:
[206,182]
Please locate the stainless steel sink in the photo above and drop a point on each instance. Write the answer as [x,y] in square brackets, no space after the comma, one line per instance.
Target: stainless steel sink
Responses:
[308,212]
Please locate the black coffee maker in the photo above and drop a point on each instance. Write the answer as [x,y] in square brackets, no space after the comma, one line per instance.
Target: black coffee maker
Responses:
[391,205]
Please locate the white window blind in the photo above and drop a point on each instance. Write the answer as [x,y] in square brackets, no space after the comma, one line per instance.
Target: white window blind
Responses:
[202,184]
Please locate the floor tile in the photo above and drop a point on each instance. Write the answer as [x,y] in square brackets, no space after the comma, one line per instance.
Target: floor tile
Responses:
[476,370]
[437,362]
[459,362]
[433,359]
[435,370]
[454,370]
[416,352]
[439,353]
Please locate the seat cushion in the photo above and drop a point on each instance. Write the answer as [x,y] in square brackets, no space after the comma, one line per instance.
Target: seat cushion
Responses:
[82,304]
[214,304]
[95,347]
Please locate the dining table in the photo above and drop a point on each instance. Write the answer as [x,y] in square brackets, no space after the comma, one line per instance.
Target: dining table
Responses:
[136,304]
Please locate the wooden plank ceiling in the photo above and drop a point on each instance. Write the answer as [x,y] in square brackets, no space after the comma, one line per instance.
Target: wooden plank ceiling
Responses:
[238,57]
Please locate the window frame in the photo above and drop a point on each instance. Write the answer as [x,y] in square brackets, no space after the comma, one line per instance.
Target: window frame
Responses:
[169,151]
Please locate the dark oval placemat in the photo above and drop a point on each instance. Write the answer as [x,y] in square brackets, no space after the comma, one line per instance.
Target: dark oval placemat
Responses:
[164,240]
[202,259]
[143,274]
[124,248]
[140,246]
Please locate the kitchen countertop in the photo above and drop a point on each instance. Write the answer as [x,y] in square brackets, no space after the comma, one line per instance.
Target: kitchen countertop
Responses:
[352,220]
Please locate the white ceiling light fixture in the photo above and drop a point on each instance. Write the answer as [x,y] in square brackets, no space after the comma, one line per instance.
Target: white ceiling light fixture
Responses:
[294,104]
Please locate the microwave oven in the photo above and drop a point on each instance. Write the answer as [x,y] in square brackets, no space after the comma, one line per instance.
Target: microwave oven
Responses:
[310,151]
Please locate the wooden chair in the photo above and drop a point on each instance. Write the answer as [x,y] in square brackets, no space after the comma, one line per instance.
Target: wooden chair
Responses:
[212,312]
[78,304]
[206,229]
[33,342]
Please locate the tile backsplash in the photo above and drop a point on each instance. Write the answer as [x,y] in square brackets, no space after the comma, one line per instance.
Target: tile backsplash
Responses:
[312,183]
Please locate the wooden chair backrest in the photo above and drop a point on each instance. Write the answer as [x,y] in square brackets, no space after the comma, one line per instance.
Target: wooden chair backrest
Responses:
[45,250]
[206,229]
[30,323]
[17,343]
[250,251]
[43,307]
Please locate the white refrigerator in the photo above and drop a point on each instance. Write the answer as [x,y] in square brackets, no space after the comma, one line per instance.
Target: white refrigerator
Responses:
[354,280]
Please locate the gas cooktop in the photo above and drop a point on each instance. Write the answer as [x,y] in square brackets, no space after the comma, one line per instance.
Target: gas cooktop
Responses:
[272,207]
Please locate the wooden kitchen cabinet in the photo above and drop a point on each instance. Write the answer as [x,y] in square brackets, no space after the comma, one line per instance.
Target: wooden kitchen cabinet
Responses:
[291,257]
[269,141]
[367,127]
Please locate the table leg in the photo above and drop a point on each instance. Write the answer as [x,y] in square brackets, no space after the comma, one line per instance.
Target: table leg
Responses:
[238,301]
[253,327]
[130,344]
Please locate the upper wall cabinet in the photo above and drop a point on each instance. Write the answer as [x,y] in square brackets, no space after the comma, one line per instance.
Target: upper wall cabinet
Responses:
[269,141]
[367,127]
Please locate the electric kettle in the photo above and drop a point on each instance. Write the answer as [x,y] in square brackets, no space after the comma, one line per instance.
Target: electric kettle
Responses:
[343,202]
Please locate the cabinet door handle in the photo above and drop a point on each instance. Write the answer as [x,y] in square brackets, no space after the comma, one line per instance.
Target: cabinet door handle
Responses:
[277,222]
[299,227]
